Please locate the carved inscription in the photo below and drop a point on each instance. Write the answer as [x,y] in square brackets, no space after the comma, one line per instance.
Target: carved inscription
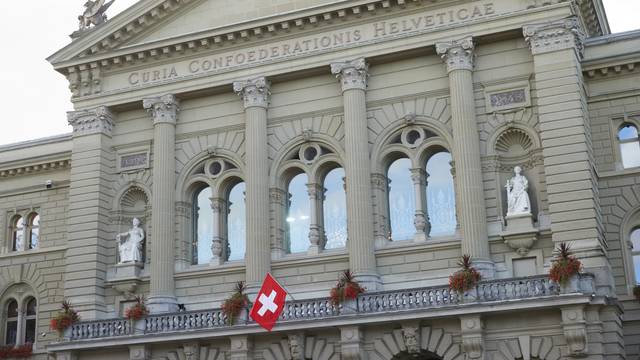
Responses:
[133,161]
[311,45]
[509,97]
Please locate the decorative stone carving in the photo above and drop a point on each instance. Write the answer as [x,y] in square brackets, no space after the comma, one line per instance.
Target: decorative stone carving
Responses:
[164,109]
[554,36]
[95,121]
[130,243]
[296,346]
[240,347]
[139,352]
[458,54]
[94,13]
[518,202]
[433,340]
[352,74]
[527,348]
[351,341]
[255,92]
[472,336]
[575,330]
[411,337]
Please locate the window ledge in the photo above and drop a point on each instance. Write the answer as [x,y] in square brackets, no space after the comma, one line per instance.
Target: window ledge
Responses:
[37,251]
[615,173]
[439,242]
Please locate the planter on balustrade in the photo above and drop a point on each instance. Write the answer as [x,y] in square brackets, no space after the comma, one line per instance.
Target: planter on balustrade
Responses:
[571,286]
[469,296]
[242,318]
[66,334]
[348,306]
[138,326]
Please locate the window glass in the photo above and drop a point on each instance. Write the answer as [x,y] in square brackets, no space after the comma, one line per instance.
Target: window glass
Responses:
[31,307]
[628,132]
[236,223]
[630,152]
[30,324]
[11,332]
[298,214]
[441,198]
[635,253]
[18,234]
[401,200]
[335,210]
[35,231]
[204,227]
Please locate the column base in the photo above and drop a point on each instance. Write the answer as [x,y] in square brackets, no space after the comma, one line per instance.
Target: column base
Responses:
[486,268]
[369,281]
[162,304]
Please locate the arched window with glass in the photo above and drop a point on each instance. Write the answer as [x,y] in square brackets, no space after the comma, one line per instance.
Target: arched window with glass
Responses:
[629,145]
[34,230]
[202,226]
[334,209]
[11,322]
[634,237]
[441,197]
[17,233]
[298,214]
[30,320]
[235,223]
[401,197]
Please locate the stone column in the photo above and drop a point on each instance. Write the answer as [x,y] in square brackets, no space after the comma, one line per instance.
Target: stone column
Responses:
[420,220]
[572,184]
[380,187]
[353,78]
[92,166]
[277,197]
[220,210]
[22,311]
[459,57]
[316,233]
[164,111]
[255,94]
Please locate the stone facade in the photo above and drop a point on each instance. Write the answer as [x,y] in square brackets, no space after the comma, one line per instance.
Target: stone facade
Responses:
[175,96]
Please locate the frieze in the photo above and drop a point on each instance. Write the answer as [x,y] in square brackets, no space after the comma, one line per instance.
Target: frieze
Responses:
[353,36]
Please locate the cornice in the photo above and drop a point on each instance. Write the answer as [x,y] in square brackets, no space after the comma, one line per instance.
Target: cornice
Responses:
[58,163]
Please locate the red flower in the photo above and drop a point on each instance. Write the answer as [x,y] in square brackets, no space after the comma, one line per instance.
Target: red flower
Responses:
[17,352]
[233,305]
[65,318]
[466,278]
[346,288]
[565,266]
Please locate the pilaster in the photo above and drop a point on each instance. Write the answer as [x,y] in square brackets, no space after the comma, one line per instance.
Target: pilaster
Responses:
[92,163]
[575,330]
[316,233]
[255,94]
[420,218]
[353,79]
[459,57]
[277,198]
[240,347]
[565,132]
[139,352]
[220,209]
[164,112]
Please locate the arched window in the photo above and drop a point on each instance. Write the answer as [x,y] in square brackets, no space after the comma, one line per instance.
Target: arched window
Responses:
[203,226]
[298,218]
[335,209]
[34,230]
[441,198]
[30,321]
[635,253]
[236,223]
[401,200]
[629,146]
[11,324]
[17,234]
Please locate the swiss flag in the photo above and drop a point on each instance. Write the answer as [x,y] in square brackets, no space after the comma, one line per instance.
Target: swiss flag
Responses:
[269,303]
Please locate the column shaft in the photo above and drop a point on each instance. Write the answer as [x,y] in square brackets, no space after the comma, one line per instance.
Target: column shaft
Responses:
[353,76]
[162,284]
[472,217]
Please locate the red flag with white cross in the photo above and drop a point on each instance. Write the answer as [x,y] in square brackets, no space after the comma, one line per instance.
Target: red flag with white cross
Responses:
[269,303]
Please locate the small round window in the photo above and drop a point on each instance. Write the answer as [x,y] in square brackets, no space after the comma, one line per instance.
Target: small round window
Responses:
[215,167]
[309,153]
[413,137]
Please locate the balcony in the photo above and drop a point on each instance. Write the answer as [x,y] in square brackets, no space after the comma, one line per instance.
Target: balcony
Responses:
[489,296]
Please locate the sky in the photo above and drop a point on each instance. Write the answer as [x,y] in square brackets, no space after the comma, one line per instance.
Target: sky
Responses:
[35,98]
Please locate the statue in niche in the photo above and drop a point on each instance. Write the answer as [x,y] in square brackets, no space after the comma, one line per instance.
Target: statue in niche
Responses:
[94,13]
[130,243]
[517,197]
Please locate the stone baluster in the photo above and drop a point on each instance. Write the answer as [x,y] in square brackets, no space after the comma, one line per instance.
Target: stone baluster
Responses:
[219,208]
[164,111]
[459,58]
[255,94]
[316,233]
[353,79]
[420,220]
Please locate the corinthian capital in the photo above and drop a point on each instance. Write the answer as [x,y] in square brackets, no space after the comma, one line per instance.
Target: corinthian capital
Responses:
[458,54]
[254,92]
[94,121]
[352,74]
[553,36]
[164,109]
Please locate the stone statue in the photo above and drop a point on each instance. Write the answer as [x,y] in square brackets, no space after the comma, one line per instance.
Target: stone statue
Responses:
[130,243]
[517,196]
[94,13]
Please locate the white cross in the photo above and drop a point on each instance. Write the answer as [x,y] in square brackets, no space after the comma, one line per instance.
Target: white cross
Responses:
[268,303]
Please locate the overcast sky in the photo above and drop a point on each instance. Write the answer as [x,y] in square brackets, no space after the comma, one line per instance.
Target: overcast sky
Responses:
[35,98]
